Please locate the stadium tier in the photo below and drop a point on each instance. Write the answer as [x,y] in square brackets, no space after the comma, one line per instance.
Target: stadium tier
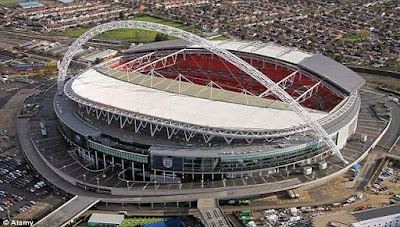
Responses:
[174,112]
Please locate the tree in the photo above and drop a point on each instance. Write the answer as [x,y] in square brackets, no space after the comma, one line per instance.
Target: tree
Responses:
[121,15]
[160,37]
[338,57]
[97,61]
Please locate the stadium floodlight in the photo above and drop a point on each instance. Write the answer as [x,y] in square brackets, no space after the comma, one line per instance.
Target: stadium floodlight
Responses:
[206,44]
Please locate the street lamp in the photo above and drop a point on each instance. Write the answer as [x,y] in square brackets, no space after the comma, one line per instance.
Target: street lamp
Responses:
[84,180]
[98,187]
[8,213]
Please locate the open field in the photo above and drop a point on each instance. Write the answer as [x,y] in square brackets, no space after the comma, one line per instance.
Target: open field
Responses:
[134,35]
[220,38]
[390,83]
[9,1]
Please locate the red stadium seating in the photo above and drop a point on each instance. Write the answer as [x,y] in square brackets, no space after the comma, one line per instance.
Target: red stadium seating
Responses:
[203,68]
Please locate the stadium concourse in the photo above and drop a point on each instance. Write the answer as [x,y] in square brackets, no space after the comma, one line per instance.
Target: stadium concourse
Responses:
[171,118]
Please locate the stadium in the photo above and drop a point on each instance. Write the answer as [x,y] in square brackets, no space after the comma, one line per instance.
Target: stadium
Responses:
[179,111]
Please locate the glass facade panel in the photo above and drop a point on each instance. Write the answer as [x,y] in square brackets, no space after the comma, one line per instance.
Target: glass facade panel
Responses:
[118,153]
[249,161]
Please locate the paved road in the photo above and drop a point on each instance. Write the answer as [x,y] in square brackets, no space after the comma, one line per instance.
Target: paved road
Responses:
[394,129]
[366,172]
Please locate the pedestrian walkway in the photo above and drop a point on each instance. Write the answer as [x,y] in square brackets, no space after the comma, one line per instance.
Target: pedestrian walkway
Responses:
[66,213]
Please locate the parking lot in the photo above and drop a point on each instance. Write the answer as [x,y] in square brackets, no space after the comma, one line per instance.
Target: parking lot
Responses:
[387,181]
[20,188]
[10,89]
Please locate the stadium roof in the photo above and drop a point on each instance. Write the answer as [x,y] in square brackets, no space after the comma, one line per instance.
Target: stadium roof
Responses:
[322,66]
[74,120]
[95,86]
[334,72]
[195,90]
[290,55]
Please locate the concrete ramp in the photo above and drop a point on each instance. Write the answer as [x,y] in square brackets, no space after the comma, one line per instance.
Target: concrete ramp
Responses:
[211,213]
[66,213]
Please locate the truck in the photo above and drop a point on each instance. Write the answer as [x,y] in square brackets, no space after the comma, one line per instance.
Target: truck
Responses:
[43,129]
[292,194]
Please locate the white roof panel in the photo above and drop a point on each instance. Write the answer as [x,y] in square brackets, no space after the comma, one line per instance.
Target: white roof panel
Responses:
[291,55]
[103,89]
[111,219]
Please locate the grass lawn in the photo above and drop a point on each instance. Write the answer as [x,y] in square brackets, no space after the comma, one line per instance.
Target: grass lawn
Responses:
[140,221]
[11,1]
[355,38]
[390,83]
[135,35]
[220,38]
[164,22]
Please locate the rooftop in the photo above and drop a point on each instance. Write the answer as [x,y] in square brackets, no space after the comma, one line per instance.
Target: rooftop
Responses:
[111,219]
[100,55]
[334,72]
[377,212]
[290,55]
[30,4]
[324,67]
[102,89]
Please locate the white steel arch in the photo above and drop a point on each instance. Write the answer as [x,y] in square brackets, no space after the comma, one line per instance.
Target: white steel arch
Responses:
[228,56]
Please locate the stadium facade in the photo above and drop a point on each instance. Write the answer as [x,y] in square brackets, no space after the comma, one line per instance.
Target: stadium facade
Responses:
[175,112]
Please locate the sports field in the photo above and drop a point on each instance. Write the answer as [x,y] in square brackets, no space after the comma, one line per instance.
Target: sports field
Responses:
[134,35]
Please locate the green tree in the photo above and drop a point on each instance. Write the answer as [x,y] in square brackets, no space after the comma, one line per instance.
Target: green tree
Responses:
[121,15]
[160,37]
[97,61]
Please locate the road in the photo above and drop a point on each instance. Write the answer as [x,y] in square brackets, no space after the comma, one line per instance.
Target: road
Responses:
[394,130]
[54,38]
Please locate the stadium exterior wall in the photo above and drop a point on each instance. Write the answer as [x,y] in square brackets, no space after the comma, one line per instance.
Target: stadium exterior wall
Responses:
[147,162]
